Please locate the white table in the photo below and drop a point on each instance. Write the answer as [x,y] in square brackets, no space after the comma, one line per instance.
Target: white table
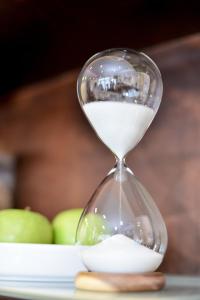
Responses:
[177,287]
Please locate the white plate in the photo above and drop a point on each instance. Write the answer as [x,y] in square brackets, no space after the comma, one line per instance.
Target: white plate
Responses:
[37,262]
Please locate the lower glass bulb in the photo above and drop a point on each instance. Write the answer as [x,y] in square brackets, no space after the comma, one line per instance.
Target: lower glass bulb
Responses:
[121,226]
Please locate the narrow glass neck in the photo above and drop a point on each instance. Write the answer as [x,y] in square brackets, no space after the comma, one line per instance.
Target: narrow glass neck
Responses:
[120,170]
[120,163]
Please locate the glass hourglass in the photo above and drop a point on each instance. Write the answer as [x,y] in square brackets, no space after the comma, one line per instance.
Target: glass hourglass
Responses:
[120,91]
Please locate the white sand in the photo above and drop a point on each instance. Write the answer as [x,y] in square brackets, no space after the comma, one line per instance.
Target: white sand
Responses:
[120,254]
[120,125]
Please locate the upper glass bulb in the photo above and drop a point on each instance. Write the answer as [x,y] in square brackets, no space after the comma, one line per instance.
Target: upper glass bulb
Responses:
[110,79]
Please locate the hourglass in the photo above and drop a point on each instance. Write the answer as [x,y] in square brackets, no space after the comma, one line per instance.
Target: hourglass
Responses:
[120,92]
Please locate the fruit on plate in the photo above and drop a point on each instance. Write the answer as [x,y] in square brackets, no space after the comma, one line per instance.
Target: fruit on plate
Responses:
[24,226]
[65,225]
[93,229]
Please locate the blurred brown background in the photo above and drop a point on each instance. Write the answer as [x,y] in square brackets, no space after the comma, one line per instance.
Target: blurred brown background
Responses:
[50,159]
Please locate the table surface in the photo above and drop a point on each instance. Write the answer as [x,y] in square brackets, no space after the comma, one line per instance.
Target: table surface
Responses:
[177,287]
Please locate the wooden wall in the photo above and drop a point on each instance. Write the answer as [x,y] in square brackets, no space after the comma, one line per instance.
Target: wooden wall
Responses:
[60,160]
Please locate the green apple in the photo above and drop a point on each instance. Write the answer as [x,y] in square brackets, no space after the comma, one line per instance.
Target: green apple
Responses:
[92,229]
[24,226]
[65,225]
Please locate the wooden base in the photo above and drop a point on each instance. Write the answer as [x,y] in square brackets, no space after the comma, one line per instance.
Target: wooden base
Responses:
[111,282]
